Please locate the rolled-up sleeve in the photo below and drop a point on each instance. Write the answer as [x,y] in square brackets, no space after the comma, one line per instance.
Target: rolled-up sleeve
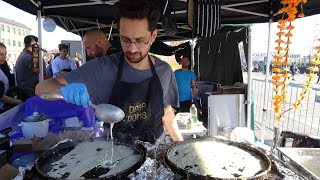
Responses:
[98,75]
[169,86]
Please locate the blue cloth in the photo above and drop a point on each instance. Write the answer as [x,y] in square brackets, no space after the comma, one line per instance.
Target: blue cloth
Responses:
[184,79]
[58,111]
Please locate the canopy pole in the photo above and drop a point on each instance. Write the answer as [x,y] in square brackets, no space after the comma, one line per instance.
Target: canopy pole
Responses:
[249,102]
[266,82]
[40,42]
[193,43]
[84,52]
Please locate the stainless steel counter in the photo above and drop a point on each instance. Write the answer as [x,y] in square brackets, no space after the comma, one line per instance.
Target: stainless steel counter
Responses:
[305,161]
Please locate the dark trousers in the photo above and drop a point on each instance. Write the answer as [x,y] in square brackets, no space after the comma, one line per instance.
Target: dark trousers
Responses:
[184,106]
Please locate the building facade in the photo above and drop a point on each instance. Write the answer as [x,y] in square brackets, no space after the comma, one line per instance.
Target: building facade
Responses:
[258,57]
[12,35]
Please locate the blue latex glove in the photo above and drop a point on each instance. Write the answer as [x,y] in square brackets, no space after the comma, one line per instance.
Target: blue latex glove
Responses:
[75,93]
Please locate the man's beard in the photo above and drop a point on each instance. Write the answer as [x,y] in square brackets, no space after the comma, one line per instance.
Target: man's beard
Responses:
[185,66]
[137,59]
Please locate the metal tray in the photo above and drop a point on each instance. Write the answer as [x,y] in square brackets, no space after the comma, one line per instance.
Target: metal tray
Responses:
[306,161]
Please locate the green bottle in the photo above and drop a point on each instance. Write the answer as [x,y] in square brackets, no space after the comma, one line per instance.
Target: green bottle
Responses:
[194,113]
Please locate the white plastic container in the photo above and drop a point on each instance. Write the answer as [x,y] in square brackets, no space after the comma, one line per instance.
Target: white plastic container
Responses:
[38,128]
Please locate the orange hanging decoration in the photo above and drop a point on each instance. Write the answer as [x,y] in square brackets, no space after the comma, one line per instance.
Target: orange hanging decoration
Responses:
[280,79]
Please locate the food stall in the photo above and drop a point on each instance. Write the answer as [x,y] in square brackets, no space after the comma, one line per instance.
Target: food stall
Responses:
[71,17]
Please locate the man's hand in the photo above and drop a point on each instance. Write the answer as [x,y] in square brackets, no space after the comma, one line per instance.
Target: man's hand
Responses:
[75,93]
[170,124]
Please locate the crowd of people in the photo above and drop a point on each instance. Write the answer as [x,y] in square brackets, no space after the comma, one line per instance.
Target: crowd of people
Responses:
[17,83]
[19,80]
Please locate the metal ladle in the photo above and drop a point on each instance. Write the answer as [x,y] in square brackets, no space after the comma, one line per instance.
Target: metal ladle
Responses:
[107,113]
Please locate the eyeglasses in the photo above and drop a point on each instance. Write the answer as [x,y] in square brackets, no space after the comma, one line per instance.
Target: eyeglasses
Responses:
[139,43]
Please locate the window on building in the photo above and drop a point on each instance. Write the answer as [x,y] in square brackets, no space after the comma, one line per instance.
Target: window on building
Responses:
[27,32]
[8,42]
[8,29]
[23,33]
[19,32]
[3,41]
[19,43]
[2,27]
[14,30]
[13,43]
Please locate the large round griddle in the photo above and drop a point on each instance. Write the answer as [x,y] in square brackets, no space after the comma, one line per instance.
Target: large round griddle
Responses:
[43,164]
[263,174]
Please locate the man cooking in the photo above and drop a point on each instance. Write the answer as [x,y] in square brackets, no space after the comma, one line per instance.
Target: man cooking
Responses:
[140,84]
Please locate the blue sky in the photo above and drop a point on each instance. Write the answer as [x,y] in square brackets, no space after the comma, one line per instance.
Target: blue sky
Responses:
[303,40]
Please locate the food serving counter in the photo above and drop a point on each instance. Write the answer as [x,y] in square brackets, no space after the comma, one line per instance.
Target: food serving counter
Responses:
[162,167]
[13,117]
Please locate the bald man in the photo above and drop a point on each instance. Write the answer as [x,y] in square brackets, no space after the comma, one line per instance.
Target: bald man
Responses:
[96,43]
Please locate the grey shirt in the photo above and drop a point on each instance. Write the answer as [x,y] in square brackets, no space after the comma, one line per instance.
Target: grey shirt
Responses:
[26,78]
[100,74]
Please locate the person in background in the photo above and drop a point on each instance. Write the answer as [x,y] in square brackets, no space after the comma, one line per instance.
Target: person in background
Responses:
[143,86]
[4,65]
[61,65]
[293,70]
[186,81]
[78,62]
[6,102]
[96,43]
[49,73]
[26,78]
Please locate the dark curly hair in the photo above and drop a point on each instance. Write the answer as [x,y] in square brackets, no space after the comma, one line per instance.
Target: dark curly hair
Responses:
[138,9]
[63,46]
[28,40]
[2,45]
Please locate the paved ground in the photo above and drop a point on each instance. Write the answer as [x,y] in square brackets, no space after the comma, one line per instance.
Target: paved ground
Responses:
[305,120]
